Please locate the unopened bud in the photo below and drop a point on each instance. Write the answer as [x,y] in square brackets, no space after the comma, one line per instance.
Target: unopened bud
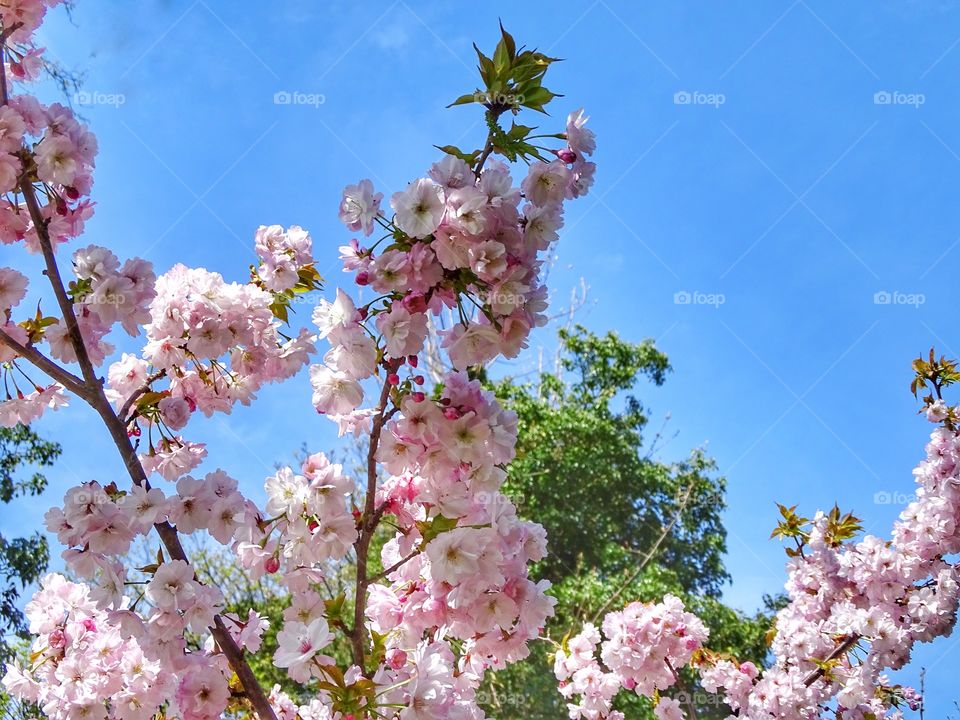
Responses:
[414,303]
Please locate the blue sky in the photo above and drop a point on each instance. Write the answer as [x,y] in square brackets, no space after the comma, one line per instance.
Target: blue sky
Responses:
[783,166]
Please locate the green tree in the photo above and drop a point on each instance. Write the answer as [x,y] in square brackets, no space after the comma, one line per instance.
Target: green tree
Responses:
[620,524]
[23,560]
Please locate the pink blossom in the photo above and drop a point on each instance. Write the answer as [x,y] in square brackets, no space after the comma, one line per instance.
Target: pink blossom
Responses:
[359,206]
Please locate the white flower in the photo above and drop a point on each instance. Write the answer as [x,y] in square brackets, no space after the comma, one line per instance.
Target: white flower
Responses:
[454,555]
[340,313]
[419,208]
[298,646]
[172,586]
[333,391]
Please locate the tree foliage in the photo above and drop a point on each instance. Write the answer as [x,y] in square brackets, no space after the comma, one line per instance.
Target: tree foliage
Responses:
[621,524]
[22,560]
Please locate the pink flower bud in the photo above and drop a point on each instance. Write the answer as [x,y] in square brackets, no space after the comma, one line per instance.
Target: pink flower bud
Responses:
[451,413]
[396,658]
[58,639]
[271,564]
[413,360]
[393,379]
[363,278]
[418,396]
[567,155]
[416,303]
[418,379]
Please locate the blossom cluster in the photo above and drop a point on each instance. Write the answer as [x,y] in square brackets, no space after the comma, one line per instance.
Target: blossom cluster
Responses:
[454,598]
[856,609]
[216,343]
[46,146]
[451,596]
[461,553]
[642,647]
[306,521]
[98,524]
[460,240]
[91,663]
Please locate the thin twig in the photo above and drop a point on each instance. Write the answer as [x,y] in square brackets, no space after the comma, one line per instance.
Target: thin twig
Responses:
[688,696]
[396,566]
[839,650]
[124,411]
[42,362]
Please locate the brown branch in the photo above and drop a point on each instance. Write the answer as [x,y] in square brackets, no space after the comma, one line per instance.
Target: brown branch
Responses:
[684,689]
[42,362]
[124,411]
[396,566]
[91,390]
[841,649]
[368,524]
[492,116]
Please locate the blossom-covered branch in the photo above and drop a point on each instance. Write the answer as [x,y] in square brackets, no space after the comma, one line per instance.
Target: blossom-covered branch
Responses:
[450,596]
[856,609]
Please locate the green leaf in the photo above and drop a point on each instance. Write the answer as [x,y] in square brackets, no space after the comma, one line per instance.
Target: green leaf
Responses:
[430,529]
[468,158]
[466,99]
[507,39]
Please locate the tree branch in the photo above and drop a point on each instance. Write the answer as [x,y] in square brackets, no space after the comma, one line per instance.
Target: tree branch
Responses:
[369,521]
[42,362]
[839,650]
[91,390]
